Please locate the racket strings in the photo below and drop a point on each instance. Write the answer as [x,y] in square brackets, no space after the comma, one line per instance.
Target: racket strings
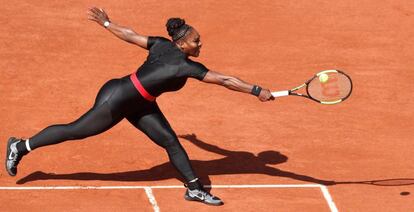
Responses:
[337,87]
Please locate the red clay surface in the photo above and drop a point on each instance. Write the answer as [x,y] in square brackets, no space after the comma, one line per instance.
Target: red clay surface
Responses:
[75,200]
[53,61]
[267,199]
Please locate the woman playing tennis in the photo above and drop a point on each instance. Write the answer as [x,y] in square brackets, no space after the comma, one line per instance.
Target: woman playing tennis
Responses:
[133,97]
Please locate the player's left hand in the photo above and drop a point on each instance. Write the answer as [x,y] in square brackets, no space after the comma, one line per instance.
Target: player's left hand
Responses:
[265,95]
[98,15]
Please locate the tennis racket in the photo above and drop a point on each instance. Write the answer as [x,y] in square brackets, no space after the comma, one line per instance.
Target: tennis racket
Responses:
[326,87]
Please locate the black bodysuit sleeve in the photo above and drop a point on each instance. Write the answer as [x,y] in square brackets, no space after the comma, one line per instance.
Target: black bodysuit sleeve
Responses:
[194,70]
[152,40]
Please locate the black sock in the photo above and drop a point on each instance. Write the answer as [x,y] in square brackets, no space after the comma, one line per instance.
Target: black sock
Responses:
[195,185]
[21,147]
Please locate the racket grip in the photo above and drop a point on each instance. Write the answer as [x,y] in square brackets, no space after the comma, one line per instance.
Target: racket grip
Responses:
[280,93]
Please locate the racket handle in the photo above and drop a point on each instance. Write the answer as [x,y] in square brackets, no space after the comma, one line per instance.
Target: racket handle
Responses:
[280,93]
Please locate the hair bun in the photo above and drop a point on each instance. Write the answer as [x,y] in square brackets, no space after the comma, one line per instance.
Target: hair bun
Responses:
[173,25]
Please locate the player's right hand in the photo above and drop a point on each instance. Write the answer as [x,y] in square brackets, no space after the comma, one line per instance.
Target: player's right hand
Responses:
[266,95]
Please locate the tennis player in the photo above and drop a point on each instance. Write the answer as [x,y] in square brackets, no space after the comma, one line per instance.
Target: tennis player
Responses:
[133,97]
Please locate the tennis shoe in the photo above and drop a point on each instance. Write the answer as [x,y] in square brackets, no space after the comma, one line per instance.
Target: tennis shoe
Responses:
[13,156]
[203,196]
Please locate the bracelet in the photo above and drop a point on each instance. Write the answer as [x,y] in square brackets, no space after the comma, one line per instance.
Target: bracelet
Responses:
[256,90]
[106,24]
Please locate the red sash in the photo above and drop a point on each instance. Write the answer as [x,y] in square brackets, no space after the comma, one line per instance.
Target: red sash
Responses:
[141,88]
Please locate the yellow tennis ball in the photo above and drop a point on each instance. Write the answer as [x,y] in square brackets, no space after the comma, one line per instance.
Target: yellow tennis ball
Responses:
[323,78]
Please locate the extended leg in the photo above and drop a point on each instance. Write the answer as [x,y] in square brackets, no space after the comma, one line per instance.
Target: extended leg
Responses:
[157,128]
[95,121]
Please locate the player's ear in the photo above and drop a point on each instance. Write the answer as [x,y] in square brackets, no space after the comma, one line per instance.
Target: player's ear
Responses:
[181,43]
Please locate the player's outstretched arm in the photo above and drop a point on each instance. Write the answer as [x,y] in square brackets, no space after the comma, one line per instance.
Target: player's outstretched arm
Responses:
[236,84]
[127,34]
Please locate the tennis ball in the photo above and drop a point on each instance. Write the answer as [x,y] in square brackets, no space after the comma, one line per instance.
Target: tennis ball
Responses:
[323,78]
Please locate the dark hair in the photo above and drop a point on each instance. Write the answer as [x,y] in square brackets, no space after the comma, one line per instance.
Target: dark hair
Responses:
[177,28]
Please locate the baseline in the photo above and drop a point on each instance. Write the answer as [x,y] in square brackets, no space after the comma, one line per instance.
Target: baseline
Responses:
[148,190]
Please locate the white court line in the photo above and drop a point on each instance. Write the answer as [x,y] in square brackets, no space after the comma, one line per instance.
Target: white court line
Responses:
[152,200]
[72,187]
[328,198]
[148,190]
[265,186]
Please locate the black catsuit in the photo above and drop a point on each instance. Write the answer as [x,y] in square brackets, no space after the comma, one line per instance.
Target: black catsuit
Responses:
[166,69]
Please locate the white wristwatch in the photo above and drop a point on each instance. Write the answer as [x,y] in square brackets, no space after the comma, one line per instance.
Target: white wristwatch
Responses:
[106,24]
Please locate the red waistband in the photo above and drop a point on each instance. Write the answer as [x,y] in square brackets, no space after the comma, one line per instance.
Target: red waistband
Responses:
[141,88]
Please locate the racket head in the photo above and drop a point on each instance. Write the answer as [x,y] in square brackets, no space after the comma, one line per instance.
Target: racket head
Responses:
[336,89]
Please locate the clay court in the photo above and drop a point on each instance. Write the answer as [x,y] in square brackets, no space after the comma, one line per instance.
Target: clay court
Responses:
[290,154]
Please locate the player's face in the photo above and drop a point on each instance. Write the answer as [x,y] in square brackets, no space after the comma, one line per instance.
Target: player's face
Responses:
[191,44]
